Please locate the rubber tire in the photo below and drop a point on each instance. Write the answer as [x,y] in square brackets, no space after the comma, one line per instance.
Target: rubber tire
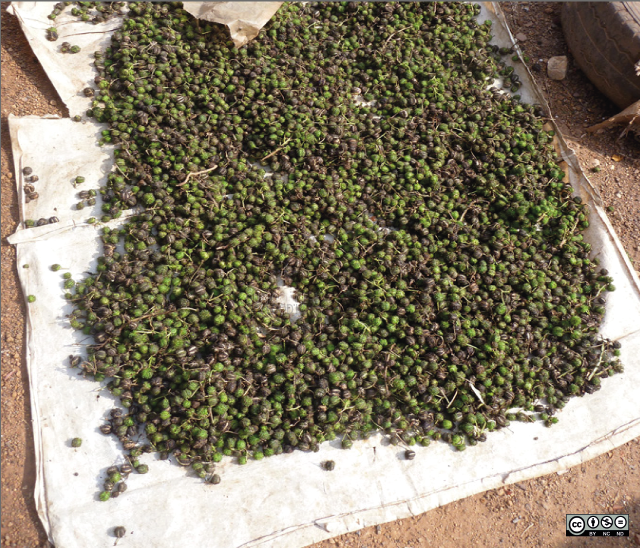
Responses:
[604,39]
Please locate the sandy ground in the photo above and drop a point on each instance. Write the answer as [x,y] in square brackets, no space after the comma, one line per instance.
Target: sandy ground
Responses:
[527,514]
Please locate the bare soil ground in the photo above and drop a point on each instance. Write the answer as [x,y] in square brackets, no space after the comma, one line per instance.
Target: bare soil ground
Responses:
[526,514]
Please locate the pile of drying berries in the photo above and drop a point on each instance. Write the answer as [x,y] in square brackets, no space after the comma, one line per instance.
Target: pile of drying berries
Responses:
[355,152]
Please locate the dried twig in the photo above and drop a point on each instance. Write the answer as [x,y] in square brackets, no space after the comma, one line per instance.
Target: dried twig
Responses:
[195,174]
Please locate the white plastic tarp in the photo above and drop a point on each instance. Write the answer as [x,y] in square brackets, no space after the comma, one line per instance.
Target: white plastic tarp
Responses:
[287,501]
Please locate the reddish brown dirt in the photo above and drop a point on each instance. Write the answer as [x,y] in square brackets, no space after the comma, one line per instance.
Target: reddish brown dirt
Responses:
[527,514]
[25,90]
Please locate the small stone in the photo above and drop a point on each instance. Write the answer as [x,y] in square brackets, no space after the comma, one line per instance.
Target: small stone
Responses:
[515,520]
[378,529]
[548,10]
[520,37]
[557,67]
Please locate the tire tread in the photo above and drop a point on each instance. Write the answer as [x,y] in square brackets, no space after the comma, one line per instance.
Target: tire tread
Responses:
[604,39]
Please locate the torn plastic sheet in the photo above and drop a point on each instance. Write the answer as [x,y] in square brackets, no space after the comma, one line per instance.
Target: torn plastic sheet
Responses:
[243,19]
[287,501]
